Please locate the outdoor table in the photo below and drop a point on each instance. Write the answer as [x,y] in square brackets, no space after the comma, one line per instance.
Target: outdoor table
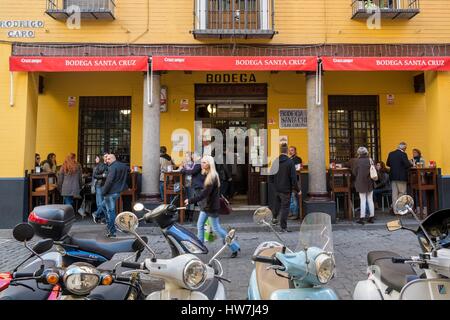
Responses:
[170,179]
[424,179]
[340,182]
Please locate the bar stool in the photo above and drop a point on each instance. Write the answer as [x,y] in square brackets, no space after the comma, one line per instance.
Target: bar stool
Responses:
[130,192]
[47,190]
[340,183]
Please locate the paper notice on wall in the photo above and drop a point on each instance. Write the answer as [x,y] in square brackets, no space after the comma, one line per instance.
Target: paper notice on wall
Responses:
[72,101]
[184,105]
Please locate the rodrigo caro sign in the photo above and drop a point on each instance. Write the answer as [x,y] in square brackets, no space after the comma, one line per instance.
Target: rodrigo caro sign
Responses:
[16,25]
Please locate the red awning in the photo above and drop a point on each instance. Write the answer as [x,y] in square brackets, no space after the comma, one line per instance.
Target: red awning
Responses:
[81,64]
[386,63]
[234,63]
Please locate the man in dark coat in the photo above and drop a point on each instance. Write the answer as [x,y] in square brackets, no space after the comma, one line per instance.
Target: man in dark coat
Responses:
[284,181]
[115,183]
[399,164]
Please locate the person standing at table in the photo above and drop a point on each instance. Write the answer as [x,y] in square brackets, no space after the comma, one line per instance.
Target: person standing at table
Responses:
[69,179]
[165,161]
[115,183]
[99,175]
[399,164]
[285,182]
[364,184]
[294,208]
[417,158]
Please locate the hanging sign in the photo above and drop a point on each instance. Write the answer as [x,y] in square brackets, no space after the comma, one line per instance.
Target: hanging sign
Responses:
[386,63]
[293,118]
[78,64]
[226,63]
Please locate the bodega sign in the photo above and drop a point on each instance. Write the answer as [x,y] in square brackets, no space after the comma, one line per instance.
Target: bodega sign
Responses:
[21,24]
[386,63]
[234,63]
[230,78]
[78,64]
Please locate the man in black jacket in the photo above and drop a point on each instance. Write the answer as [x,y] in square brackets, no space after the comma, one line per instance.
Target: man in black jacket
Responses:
[285,181]
[116,182]
[399,164]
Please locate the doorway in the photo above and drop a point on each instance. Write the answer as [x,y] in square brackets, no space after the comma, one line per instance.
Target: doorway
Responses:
[233,107]
[104,125]
[353,121]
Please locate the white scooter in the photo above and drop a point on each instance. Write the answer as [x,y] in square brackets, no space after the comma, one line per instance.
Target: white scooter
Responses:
[391,277]
[186,277]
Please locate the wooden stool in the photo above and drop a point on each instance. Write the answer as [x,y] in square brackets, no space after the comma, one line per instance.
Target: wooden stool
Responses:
[130,192]
[340,182]
[46,190]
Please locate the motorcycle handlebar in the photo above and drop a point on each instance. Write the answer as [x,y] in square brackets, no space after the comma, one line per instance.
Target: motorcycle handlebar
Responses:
[131,265]
[400,260]
[123,279]
[17,275]
[268,260]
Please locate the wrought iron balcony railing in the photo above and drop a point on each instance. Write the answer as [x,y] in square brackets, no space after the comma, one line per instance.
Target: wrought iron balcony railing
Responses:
[88,9]
[234,18]
[389,9]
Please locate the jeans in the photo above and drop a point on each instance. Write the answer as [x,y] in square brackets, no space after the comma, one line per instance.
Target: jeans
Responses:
[68,200]
[293,207]
[282,202]
[161,190]
[234,246]
[100,212]
[369,198]
[110,204]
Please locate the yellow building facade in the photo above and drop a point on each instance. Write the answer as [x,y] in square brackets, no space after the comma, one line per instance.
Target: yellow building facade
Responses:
[55,111]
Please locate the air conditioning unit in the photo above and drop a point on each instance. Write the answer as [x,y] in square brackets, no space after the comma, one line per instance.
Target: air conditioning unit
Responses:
[88,5]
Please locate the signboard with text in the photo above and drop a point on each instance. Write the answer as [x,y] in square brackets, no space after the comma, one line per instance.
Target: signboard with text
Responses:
[293,119]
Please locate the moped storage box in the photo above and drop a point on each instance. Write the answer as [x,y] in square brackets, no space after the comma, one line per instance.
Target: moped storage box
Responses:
[52,221]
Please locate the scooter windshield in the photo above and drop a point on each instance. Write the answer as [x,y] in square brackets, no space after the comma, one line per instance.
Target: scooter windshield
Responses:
[316,231]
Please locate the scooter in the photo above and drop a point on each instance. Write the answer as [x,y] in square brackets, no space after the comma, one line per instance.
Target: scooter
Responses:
[186,277]
[391,277]
[283,274]
[180,239]
[55,222]
[74,282]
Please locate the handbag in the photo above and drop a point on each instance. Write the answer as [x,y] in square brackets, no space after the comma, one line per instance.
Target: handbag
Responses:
[225,207]
[373,171]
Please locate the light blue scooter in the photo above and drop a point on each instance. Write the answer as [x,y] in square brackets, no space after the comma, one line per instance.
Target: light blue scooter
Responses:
[281,274]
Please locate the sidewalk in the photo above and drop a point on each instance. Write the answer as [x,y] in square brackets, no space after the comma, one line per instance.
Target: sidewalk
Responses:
[241,220]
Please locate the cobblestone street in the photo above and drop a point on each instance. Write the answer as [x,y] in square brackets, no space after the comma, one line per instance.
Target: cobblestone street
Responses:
[351,245]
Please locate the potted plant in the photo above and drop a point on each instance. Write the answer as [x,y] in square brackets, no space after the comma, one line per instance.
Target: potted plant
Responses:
[370,5]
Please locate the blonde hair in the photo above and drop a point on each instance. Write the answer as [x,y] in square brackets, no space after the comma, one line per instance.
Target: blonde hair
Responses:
[211,174]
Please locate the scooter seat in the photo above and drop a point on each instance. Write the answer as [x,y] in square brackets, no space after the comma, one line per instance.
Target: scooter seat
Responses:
[394,275]
[19,292]
[268,281]
[107,247]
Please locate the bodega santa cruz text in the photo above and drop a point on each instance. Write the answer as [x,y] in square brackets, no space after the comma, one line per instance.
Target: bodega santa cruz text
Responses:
[232,309]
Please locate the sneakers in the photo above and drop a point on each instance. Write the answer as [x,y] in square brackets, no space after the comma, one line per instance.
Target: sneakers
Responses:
[235,254]
[96,220]
[274,222]
[293,217]
[285,230]
[110,235]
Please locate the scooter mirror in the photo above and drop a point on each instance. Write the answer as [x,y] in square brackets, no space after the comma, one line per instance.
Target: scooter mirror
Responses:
[403,205]
[43,246]
[394,225]
[230,236]
[262,215]
[23,232]
[138,207]
[127,222]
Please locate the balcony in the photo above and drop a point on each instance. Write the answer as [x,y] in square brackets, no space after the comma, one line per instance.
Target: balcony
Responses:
[389,9]
[234,18]
[89,9]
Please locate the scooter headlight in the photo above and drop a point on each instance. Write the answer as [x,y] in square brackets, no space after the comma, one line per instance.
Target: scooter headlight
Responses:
[81,278]
[191,247]
[194,274]
[324,267]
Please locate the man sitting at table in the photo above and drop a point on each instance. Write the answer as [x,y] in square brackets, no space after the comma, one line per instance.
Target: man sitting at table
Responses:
[399,164]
